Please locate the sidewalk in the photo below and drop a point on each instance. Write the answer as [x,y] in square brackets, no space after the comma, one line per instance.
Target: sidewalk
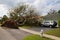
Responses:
[45,35]
[4,35]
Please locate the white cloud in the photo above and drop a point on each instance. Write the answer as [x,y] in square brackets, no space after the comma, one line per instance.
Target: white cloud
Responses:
[3,10]
[45,5]
[42,5]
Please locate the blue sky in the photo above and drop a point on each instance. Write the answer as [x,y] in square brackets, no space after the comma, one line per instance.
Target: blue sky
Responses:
[43,6]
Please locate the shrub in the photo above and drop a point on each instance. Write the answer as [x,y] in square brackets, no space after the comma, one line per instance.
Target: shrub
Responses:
[59,22]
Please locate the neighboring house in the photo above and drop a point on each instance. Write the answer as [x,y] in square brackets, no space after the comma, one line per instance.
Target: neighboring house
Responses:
[52,17]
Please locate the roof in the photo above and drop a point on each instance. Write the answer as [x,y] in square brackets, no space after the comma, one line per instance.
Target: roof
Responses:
[54,16]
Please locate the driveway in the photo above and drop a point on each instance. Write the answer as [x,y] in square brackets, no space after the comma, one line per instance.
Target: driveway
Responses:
[17,34]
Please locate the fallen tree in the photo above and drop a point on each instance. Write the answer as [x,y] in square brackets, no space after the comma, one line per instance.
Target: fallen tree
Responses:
[25,14]
[10,24]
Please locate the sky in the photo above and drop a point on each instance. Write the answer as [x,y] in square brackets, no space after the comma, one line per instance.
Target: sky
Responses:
[43,6]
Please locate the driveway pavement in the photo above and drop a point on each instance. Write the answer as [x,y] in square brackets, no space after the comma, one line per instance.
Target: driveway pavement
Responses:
[17,33]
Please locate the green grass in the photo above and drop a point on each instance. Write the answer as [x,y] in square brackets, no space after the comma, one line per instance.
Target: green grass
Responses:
[26,26]
[54,32]
[35,37]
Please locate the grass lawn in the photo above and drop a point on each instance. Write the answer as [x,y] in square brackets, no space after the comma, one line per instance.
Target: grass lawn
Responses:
[26,26]
[35,37]
[54,32]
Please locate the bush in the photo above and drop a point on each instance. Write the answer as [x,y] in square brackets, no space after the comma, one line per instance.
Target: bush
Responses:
[10,24]
[59,22]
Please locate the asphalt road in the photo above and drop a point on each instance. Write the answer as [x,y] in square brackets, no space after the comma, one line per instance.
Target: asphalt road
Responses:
[19,34]
[38,29]
[16,33]
[4,35]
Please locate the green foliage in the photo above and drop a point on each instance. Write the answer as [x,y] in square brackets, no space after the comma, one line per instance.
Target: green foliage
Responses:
[35,37]
[58,11]
[59,22]
[4,18]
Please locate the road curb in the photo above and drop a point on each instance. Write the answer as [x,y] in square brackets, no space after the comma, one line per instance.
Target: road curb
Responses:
[38,33]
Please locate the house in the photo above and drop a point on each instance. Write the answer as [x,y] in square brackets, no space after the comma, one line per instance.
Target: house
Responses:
[52,17]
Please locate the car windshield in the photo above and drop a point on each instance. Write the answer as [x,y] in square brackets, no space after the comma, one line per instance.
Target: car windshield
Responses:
[46,22]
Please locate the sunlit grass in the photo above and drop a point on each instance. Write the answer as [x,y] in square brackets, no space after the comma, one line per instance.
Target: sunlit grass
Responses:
[54,32]
[35,37]
[26,26]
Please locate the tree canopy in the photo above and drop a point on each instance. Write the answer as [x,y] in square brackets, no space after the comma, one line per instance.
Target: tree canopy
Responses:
[58,11]
[24,13]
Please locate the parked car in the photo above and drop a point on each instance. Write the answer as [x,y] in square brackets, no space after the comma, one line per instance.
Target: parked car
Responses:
[49,23]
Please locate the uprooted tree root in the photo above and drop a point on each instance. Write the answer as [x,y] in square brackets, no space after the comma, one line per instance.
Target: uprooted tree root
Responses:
[10,24]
